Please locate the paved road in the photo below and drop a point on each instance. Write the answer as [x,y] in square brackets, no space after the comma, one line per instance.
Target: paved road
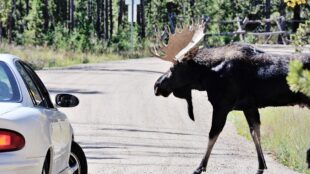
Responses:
[125,129]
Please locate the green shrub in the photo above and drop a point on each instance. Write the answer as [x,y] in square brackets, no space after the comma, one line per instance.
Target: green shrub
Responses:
[298,79]
[43,57]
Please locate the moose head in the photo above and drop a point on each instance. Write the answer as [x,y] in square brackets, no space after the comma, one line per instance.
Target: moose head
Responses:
[180,49]
[177,81]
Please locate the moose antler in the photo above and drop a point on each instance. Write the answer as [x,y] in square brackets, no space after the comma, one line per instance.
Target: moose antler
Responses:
[179,43]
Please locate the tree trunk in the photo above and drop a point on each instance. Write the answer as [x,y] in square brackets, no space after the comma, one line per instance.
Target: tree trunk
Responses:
[72,8]
[64,11]
[58,13]
[27,7]
[121,6]
[106,19]
[20,8]
[45,15]
[282,8]
[282,22]
[10,22]
[139,16]
[192,6]
[0,31]
[61,15]
[143,19]
[296,18]
[90,10]
[102,19]
[111,18]
[267,15]
[98,21]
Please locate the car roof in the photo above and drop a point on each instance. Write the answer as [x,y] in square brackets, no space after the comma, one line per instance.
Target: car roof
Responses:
[8,58]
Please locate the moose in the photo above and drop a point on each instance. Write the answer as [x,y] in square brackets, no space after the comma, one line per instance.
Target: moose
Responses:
[235,77]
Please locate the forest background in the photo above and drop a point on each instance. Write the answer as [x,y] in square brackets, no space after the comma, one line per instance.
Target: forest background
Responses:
[99,29]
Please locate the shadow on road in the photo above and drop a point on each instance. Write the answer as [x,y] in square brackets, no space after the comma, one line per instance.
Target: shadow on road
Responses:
[94,68]
[143,145]
[73,91]
[146,131]
[102,158]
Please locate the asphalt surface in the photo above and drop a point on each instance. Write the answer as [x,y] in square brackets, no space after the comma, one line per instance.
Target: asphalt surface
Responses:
[125,129]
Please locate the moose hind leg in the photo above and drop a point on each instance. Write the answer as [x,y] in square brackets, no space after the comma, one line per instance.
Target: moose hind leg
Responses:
[218,122]
[308,158]
[253,119]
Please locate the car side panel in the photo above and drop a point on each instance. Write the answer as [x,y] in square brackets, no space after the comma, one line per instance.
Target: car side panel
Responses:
[40,134]
[11,164]
[32,125]
[61,138]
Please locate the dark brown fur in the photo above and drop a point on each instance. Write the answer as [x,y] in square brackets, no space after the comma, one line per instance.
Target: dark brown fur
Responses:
[236,77]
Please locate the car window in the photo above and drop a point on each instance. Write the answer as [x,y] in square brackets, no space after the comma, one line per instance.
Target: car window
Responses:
[32,88]
[39,84]
[9,91]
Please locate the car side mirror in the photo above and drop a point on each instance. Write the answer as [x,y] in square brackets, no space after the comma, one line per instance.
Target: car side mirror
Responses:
[66,100]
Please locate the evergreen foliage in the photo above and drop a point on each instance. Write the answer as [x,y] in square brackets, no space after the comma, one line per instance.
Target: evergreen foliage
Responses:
[5,6]
[102,25]
[298,79]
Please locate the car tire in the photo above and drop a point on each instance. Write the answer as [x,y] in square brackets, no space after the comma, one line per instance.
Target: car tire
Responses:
[46,165]
[78,158]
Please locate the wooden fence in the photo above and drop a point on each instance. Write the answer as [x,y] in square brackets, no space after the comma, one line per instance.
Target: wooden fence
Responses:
[241,29]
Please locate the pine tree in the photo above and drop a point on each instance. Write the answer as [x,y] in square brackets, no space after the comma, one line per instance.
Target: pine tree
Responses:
[11,20]
[71,15]
[5,6]
[46,15]
[35,24]
[121,7]
[111,18]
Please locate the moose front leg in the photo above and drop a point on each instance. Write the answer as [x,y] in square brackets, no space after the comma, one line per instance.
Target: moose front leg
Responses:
[218,122]
[253,119]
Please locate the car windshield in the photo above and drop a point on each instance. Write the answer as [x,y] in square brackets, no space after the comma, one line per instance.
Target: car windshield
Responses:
[9,91]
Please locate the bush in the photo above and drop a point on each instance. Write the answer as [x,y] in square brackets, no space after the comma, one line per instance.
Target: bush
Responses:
[298,79]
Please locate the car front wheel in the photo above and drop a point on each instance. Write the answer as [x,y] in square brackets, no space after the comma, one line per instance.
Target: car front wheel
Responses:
[46,165]
[77,160]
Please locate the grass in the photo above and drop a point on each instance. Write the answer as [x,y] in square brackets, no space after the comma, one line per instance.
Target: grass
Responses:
[285,133]
[43,57]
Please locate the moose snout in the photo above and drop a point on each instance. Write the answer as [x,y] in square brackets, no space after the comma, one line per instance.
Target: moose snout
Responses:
[162,86]
[160,90]
[156,90]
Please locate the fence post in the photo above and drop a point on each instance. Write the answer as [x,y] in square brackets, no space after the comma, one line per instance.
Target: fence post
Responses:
[279,22]
[240,29]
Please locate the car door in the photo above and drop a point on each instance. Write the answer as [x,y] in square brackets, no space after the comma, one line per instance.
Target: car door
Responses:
[60,131]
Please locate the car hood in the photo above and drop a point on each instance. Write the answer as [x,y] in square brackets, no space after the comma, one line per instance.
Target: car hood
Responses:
[8,107]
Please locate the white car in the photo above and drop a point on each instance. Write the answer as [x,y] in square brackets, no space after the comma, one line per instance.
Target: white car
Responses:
[35,137]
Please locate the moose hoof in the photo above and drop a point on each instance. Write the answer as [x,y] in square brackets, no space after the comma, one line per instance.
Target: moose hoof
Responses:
[199,170]
[260,171]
